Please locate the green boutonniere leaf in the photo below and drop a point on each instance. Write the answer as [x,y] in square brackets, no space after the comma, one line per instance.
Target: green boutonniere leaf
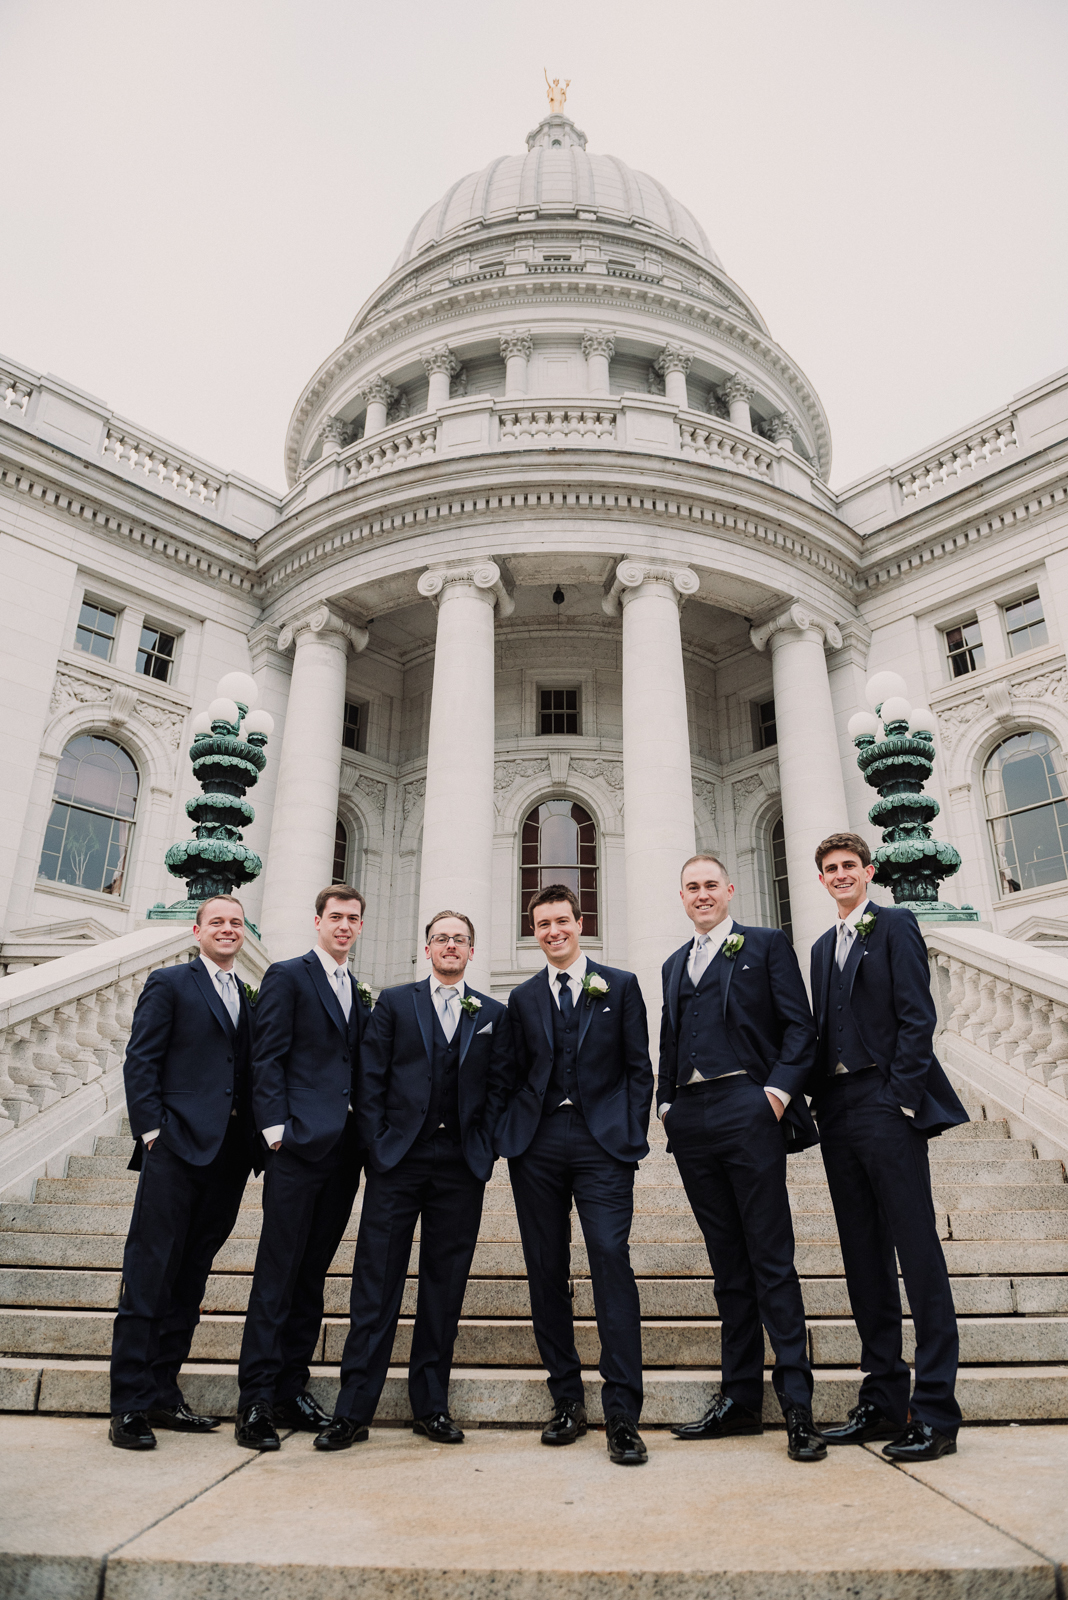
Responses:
[732,945]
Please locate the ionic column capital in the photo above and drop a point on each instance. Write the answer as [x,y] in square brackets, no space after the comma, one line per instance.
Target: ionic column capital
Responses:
[799,619]
[631,575]
[377,388]
[439,358]
[517,342]
[737,388]
[324,623]
[482,578]
[598,342]
[674,358]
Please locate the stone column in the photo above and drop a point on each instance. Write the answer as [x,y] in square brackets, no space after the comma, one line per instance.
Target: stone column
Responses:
[517,347]
[673,363]
[658,824]
[781,429]
[440,365]
[334,435]
[378,393]
[300,857]
[738,391]
[810,762]
[598,347]
[458,813]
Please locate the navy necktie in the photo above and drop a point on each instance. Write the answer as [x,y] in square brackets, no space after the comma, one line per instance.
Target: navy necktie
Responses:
[567,1005]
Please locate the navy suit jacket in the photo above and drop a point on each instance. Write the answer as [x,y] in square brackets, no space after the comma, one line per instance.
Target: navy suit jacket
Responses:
[768,1020]
[180,1064]
[615,1074]
[396,1059]
[305,1057]
[894,1012]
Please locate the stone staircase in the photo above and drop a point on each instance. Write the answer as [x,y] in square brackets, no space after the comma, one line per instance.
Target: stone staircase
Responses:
[1003,1215]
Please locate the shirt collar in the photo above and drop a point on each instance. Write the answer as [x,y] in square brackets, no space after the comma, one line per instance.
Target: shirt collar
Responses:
[576,971]
[459,987]
[214,970]
[855,915]
[330,966]
[716,937]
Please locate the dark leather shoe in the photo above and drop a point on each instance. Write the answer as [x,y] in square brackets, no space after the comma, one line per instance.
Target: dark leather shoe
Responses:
[920,1442]
[341,1433]
[303,1413]
[724,1419]
[130,1431]
[866,1422]
[180,1419]
[567,1423]
[625,1444]
[803,1440]
[440,1428]
[255,1428]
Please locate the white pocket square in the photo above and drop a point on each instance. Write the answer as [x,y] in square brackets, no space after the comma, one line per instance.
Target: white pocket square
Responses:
[608,1008]
[745,969]
[487,1029]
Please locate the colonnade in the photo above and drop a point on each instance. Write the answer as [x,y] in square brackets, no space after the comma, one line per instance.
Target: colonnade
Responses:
[458,826]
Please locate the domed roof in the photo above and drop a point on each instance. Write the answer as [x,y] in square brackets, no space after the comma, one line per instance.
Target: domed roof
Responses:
[557,177]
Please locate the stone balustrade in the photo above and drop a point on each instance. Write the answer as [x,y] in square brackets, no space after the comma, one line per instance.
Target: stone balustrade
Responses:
[14,392]
[716,446]
[159,464]
[539,426]
[1003,1024]
[959,458]
[399,446]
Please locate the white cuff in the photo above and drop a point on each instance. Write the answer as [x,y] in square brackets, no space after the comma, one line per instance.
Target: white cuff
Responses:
[780,1095]
[907,1112]
[148,1137]
[272,1135]
[663,1110]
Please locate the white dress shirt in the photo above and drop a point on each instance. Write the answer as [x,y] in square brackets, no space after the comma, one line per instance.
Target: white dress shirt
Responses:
[850,922]
[575,974]
[332,968]
[222,983]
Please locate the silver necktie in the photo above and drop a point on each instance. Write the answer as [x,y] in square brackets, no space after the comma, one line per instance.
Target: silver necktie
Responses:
[344,992]
[230,997]
[449,1018]
[700,960]
[845,944]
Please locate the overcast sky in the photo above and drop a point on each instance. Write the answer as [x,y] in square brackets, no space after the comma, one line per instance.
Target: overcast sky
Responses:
[198,195]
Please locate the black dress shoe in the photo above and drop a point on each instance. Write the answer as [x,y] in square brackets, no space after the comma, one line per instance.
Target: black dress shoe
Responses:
[340,1433]
[255,1428]
[567,1423]
[439,1427]
[803,1440]
[301,1412]
[724,1419]
[920,1442]
[129,1430]
[865,1422]
[625,1444]
[180,1419]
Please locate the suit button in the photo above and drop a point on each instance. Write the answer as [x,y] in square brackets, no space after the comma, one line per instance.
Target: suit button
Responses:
[230,1058]
[422,1110]
[229,1091]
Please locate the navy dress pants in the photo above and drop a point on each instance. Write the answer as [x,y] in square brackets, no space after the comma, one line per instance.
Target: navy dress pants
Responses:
[306,1209]
[433,1185]
[563,1162]
[880,1182]
[182,1217]
[731,1156]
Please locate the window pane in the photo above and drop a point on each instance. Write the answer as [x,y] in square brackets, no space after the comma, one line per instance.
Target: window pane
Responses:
[341,852]
[350,733]
[88,836]
[1025,789]
[558,711]
[780,880]
[96,630]
[556,836]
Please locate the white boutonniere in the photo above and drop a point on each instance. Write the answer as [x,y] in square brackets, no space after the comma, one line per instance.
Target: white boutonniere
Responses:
[365,995]
[593,985]
[866,924]
[471,1004]
[732,945]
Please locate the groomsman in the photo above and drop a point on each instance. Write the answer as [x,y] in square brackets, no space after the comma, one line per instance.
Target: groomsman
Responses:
[879,1095]
[737,1044]
[575,1128]
[310,1018]
[429,1102]
[188,1097]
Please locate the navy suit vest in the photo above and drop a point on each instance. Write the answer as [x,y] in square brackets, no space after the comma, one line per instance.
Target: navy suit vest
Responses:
[444,1107]
[563,1080]
[704,1044]
[842,1041]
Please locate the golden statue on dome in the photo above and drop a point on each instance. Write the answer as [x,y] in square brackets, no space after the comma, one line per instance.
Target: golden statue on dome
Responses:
[557,95]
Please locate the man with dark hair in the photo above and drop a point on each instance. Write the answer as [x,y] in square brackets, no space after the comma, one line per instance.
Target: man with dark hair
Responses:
[879,1094]
[310,1018]
[430,1099]
[188,1097]
[574,1128]
[737,1043]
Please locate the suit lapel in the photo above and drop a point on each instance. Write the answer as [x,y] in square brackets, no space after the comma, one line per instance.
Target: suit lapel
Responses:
[544,1001]
[678,967]
[827,957]
[424,1015]
[326,994]
[725,979]
[853,961]
[468,1025]
[588,1004]
[206,984]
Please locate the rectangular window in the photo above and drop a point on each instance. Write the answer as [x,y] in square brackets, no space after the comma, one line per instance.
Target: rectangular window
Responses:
[95,632]
[964,647]
[556,258]
[155,653]
[780,879]
[1025,625]
[764,735]
[559,711]
[350,732]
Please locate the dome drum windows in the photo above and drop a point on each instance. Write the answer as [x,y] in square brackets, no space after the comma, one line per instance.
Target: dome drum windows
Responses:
[558,844]
[90,831]
[1026,789]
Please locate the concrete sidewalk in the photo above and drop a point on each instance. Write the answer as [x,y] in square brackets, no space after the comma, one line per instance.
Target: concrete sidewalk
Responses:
[502,1516]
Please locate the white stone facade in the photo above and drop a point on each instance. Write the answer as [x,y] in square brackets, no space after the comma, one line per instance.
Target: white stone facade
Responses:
[557,392]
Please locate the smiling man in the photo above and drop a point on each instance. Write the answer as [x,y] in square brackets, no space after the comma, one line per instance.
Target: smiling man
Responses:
[575,1128]
[188,1082]
[737,1044]
[879,1095]
[310,1019]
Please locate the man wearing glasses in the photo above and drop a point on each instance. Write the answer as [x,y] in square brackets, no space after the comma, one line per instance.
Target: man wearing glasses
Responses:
[431,1098]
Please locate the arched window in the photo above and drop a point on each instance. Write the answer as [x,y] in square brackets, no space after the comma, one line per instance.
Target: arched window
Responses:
[1027,806]
[89,834]
[341,852]
[559,845]
[780,881]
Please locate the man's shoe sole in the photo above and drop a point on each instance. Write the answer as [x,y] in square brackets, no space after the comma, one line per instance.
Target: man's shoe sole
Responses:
[265,1445]
[628,1458]
[359,1437]
[182,1427]
[579,1433]
[132,1444]
[423,1434]
[933,1455]
[815,1456]
[721,1433]
[865,1438]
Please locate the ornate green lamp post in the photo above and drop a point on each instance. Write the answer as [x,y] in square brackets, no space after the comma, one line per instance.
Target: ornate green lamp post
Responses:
[228,756]
[896,756]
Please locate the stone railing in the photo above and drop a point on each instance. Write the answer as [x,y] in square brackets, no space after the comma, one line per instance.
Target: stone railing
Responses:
[399,446]
[14,392]
[544,425]
[63,1032]
[958,459]
[719,447]
[1003,1025]
[161,466]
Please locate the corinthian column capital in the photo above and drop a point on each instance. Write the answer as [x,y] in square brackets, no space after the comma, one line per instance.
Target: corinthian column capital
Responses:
[517,342]
[674,358]
[781,429]
[737,388]
[327,624]
[598,342]
[482,577]
[799,619]
[378,388]
[439,358]
[631,575]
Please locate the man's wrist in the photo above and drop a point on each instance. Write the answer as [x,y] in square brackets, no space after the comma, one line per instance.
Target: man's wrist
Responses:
[150,1138]
[782,1095]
